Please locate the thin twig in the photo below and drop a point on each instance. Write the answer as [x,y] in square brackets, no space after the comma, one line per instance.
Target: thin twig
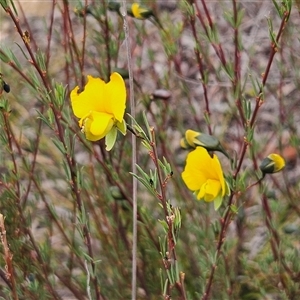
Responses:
[107,39]
[237,65]
[88,280]
[134,153]
[49,36]
[201,68]
[8,259]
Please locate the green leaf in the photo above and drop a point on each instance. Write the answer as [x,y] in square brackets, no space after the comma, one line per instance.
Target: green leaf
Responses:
[122,127]
[138,129]
[277,7]
[145,183]
[147,124]
[227,188]
[110,139]
[234,209]
[25,55]
[145,175]
[217,202]
[60,146]
[14,7]
[4,57]
[60,95]
[44,119]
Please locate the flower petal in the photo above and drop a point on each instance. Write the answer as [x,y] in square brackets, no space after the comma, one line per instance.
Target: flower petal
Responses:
[137,10]
[272,163]
[210,190]
[218,169]
[86,129]
[191,136]
[102,123]
[192,175]
[91,99]
[115,93]
[204,174]
[207,165]
[97,125]
[200,167]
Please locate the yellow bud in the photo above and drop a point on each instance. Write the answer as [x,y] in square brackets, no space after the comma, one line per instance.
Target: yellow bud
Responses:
[273,163]
[140,12]
[193,139]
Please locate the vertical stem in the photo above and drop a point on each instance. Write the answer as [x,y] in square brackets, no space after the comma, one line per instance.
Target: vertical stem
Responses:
[201,68]
[8,259]
[49,36]
[237,65]
[107,38]
[225,221]
[134,154]
[83,47]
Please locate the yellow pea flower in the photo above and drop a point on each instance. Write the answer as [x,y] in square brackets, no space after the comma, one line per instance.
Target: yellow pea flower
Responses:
[273,163]
[203,174]
[100,108]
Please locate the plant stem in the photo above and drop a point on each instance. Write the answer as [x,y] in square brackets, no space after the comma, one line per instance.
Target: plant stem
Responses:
[259,101]
[134,154]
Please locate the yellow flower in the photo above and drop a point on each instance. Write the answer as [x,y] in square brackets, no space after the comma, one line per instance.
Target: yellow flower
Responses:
[203,175]
[100,108]
[139,11]
[272,163]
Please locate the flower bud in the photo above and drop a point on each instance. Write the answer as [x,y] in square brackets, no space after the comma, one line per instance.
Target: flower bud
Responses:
[114,6]
[161,94]
[193,139]
[6,87]
[3,85]
[123,72]
[81,11]
[139,12]
[273,163]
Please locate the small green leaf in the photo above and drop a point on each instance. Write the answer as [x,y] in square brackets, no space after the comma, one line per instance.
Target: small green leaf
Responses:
[234,209]
[218,202]
[60,146]
[44,119]
[122,127]
[110,139]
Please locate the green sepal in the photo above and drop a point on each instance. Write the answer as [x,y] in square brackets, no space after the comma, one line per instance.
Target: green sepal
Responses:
[122,127]
[114,6]
[218,202]
[110,138]
[227,189]
[267,166]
